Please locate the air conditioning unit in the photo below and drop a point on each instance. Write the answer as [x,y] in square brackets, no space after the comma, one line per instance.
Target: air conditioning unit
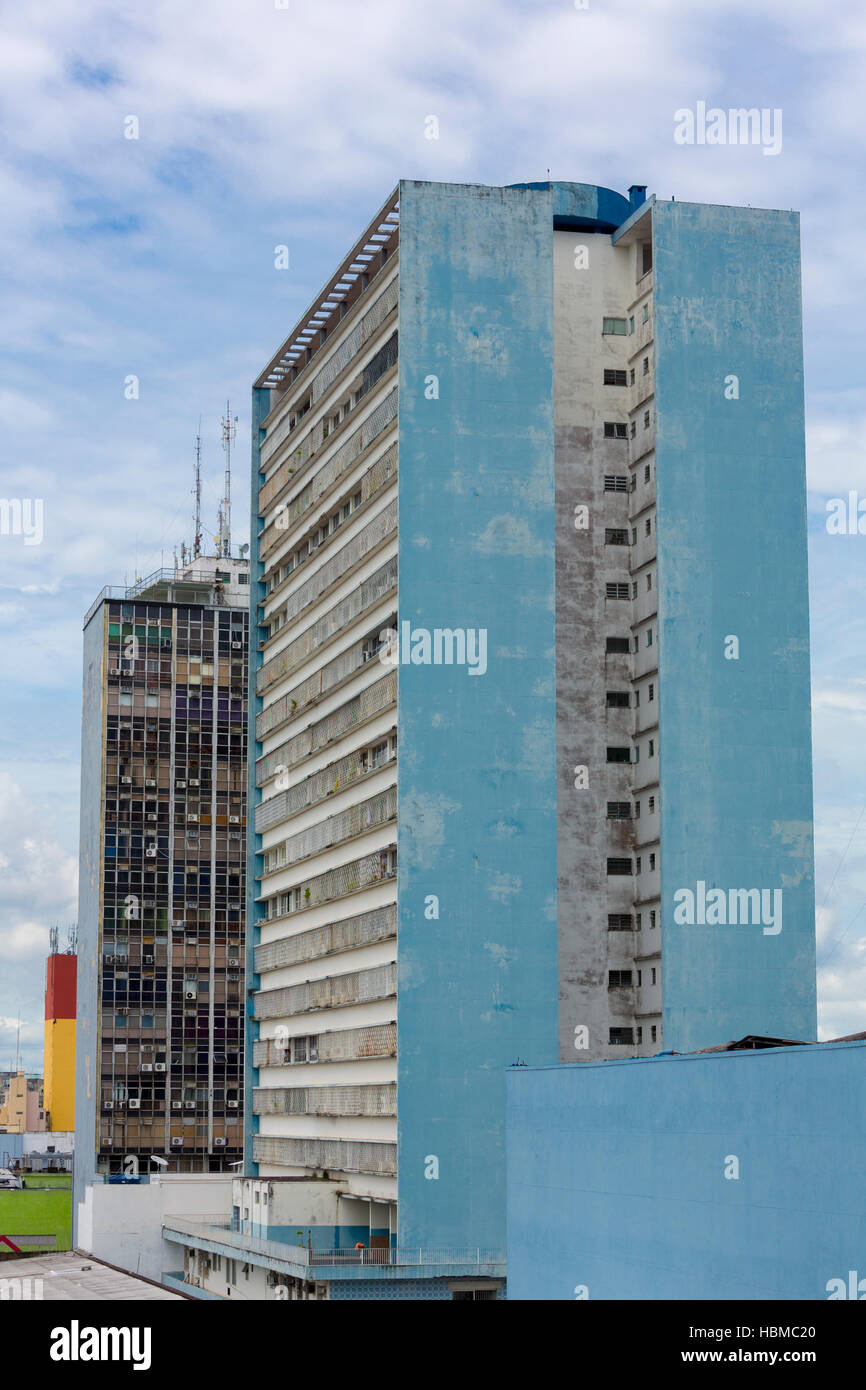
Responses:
[126,781]
[123,1012]
[177,1143]
[135,1105]
[177,1105]
[236,646]
[152,815]
[234,835]
[150,853]
[159,1066]
[108,1105]
[148,960]
[189,1105]
[108,959]
[234,960]
[146,1066]
[192,818]
[190,994]
[234,820]
[232,1104]
[219,1143]
[149,782]
[180,784]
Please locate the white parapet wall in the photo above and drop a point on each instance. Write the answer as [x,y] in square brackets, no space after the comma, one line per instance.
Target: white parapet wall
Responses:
[122,1224]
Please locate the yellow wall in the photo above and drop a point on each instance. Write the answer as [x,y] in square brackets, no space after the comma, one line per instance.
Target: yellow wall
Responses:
[60,1072]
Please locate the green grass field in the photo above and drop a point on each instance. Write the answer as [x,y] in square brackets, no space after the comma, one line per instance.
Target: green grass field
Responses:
[35,1212]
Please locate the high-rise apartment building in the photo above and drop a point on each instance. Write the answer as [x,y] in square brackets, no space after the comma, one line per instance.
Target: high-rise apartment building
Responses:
[161,898]
[528,497]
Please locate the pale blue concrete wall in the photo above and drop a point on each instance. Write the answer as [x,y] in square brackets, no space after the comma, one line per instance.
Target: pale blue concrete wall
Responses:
[261,405]
[88,1085]
[477,781]
[734,735]
[616,1176]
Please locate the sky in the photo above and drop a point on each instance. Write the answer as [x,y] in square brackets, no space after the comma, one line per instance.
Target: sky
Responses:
[264,124]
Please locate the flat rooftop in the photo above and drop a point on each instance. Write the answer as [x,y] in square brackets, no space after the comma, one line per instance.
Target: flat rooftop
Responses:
[70,1278]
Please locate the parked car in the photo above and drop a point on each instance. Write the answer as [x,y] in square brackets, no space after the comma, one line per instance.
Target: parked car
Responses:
[9,1180]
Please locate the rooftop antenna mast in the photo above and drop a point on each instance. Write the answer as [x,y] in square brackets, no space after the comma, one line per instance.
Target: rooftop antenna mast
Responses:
[196,545]
[229,434]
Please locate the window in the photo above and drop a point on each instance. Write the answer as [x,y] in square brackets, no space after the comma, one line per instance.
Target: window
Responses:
[638,865]
[615,535]
[618,979]
[621,1037]
[637,810]
[631,376]
[619,868]
[614,377]
[613,326]
[639,978]
[653,975]
[615,483]
[632,429]
[618,591]
[634,589]
[640,1035]
[637,922]
[646,366]
[652,692]
[649,582]
[653,1032]
[646,257]
[652,748]
[646,473]
[616,646]
[646,419]
[652,862]
[635,641]
[646,313]
[652,920]
[619,810]
[648,526]
[634,535]
[617,699]
[619,921]
[631,324]
[619,755]
[613,430]
[636,699]
[652,805]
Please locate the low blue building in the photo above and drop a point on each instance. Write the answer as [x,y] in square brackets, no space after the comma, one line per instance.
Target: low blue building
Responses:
[733,1173]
